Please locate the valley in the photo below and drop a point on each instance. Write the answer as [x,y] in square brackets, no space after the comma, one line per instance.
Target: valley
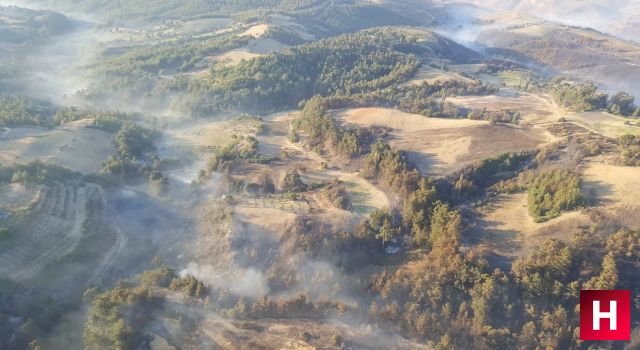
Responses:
[311,174]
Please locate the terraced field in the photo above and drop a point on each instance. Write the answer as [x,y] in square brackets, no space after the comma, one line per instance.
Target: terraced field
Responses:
[52,229]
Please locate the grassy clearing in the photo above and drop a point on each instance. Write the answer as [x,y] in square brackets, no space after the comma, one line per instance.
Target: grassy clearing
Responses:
[365,197]
[73,146]
[442,151]
[233,57]
[508,99]
[438,146]
[256,31]
[397,120]
[213,133]
[270,214]
[611,185]
[508,228]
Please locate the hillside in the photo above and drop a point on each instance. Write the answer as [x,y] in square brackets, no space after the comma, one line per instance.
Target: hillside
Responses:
[617,17]
[314,174]
[579,52]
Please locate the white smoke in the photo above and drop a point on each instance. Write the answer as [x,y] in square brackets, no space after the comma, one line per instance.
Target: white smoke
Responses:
[245,282]
[616,17]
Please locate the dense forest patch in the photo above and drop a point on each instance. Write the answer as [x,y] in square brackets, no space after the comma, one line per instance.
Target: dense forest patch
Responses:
[553,192]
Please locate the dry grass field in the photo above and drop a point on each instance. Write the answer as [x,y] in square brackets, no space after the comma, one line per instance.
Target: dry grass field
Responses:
[233,57]
[439,146]
[505,227]
[611,185]
[264,46]
[291,24]
[256,31]
[74,146]
[207,133]
[364,196]
[398,120]
[270,214]
[525,103]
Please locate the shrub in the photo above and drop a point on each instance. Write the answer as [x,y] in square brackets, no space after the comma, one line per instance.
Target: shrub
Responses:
[336,193]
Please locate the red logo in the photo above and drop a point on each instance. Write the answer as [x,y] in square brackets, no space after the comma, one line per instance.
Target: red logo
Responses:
[605,315]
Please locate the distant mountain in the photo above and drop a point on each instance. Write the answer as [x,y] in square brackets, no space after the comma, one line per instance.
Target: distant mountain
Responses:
[617,17]
[576,51]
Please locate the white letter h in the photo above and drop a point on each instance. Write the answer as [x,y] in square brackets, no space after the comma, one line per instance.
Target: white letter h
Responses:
[598,315]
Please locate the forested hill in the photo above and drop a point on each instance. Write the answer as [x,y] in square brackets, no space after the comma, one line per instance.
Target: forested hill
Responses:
[20,25]
[349,15]
[347,64]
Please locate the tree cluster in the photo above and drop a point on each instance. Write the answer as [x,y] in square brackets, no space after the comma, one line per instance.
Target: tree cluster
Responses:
[23,111]
[578,96]
[553,192]
[35,172]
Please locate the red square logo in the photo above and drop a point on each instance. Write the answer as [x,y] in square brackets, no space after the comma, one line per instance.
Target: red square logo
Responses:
[605,315]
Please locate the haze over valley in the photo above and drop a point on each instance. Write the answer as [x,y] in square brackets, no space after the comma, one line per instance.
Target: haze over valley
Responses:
[315,174]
